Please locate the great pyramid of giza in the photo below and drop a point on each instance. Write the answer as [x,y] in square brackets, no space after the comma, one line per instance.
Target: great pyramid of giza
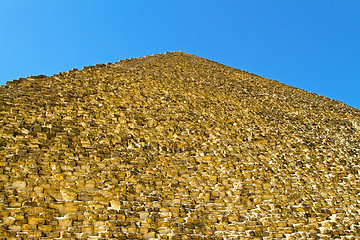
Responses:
[174,146]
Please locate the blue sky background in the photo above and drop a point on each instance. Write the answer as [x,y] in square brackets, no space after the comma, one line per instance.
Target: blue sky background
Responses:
[310,44]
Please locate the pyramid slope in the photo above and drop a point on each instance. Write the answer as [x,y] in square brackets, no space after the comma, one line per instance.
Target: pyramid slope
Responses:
[175,146]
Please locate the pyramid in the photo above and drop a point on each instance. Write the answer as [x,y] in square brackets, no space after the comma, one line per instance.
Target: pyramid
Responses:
[174,146]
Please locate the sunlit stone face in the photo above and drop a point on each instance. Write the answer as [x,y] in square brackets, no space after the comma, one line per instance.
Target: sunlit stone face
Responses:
[174,146]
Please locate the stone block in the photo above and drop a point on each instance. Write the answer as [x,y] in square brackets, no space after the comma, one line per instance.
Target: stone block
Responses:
[68,195]
[19,184]
[28,227]
[34,234]
[88,230]
[8,220]
[4,178]
[143,215]
[35,220]
[14,228]
[63,222]
[45,228]
[149,235]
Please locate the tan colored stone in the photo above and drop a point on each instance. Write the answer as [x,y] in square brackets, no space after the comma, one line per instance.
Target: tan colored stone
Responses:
[65,222]
[15,228]
[19,184]
[45,228]
[149,235]
[8,220]
[36,221]
[174,146]
[68,195]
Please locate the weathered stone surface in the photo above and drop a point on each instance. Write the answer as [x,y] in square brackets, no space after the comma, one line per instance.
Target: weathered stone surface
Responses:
[174,146]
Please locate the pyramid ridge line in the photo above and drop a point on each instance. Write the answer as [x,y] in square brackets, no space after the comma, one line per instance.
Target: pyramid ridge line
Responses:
[161,55]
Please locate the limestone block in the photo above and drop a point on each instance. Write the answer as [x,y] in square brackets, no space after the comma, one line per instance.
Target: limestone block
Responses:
[143,230]
[131,230]
[19,184]
[90,185]
[121,217]
[84,236]
[8,220]
[87,229]
[143,215]
[287,230]
[4,178]
[59,177]
[205,196]
[34,234]
[15,228]
[68,195]
[82,196]
[38,189]
[242,227]
[14,238]
[45,228]
[70,208]
[35,221]
[149,235]
[279,235]
[281,224]
[64,222]
[28,227]
[106,235]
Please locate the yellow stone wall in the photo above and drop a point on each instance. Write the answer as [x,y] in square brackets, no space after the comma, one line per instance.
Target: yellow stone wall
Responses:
[173,146]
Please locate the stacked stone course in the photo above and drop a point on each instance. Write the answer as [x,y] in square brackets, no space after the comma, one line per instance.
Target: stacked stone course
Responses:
[173,146]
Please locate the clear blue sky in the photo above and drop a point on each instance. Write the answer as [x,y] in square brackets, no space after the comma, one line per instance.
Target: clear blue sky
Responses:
[310,44]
